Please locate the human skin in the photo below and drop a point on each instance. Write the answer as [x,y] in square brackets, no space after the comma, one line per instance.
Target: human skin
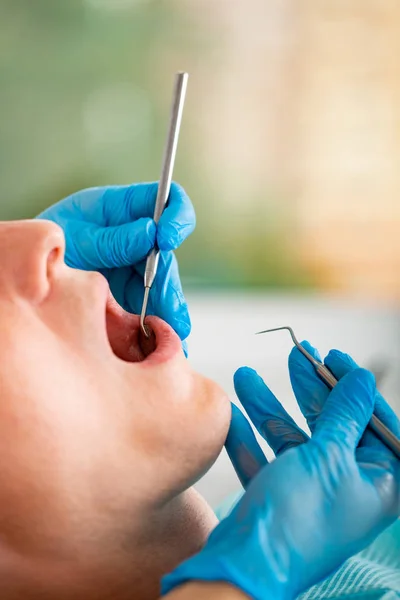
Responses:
[97,450]
[207,591]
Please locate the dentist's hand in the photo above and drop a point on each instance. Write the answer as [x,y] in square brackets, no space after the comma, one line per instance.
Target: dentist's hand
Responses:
[311,392]
[322,500]
[111,229]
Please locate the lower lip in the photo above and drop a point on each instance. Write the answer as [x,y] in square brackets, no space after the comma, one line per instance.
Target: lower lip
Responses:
[167,342]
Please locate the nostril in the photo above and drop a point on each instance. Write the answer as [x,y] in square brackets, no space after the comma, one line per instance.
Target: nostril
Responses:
[52,259]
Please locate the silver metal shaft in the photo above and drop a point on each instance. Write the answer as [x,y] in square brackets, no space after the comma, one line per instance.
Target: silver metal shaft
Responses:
[164,185]
[386,436]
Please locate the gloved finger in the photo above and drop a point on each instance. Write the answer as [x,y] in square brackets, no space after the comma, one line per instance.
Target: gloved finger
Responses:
[177,221]
[166,298]
[266,412]
[125,203]
[118,280]
[243,449]
[111,205]
[118,246]
[309,389]
[185,348]
[347,410]
[340,364]
[373,461]
[166,295]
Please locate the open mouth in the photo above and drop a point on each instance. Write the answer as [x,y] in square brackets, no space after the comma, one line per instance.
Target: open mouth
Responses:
[129,343]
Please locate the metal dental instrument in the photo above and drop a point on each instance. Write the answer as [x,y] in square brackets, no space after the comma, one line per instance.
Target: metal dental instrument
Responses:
[164,184]
[379,428]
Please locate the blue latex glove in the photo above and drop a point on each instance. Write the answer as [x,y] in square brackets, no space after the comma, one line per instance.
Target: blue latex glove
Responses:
[111,229]
[311,393]
[322,500]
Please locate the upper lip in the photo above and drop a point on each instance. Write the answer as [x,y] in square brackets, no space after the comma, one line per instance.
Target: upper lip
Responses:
[124,335]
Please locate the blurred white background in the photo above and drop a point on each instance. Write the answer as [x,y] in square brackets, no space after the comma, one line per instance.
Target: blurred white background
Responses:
[223,339]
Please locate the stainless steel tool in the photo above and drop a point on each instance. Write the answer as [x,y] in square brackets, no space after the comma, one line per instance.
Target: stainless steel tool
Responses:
[164,184]
[379,428]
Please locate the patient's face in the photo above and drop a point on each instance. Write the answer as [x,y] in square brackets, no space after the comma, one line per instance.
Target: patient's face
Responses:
[84,421]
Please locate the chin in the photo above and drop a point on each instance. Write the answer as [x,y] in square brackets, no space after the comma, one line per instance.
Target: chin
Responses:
[207,433]
[179,530]
[198,522]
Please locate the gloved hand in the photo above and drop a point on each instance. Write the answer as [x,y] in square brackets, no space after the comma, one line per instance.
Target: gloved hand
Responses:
[311,392]
[322,500]
[111,229]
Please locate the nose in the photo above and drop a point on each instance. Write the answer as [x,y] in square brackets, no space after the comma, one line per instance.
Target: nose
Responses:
[31,255]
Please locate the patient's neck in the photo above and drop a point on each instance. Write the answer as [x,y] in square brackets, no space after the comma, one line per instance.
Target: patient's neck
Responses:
[129,561]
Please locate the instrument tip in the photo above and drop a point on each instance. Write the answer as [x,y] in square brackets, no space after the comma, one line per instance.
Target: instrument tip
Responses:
[143,327]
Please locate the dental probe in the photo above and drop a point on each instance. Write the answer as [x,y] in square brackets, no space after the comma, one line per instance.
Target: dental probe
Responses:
[164,185]
[381,431]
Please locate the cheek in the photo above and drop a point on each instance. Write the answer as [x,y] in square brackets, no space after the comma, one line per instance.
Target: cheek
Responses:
[75,315]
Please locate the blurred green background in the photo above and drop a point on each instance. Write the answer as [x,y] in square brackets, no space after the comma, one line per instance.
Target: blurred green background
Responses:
[85,88]
[289,149]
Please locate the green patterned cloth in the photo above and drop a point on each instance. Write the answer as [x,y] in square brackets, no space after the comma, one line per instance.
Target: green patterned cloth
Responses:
[374,574]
